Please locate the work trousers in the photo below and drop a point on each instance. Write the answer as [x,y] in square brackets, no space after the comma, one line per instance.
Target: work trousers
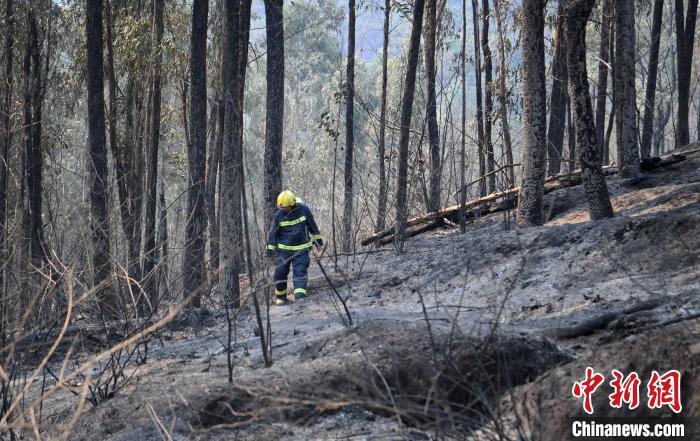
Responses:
[299,260]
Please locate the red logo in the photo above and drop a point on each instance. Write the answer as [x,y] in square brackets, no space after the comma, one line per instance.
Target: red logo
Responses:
[586,388]
[662,390]
[626,390]
[665,390]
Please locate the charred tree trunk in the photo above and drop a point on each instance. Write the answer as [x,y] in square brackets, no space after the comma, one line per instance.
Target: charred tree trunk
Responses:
[213,155]
[274,123]
[97,161]
[488,84]
[214,149]
[383,190]
[406,108]
[236,27]
[33,153]
[570,137]
[462,156]
[685,39]
[608,136]
[162,284]
[131,153]
[231,232]
[624,89]
[150,246]
[32,165]
[603,60]
[502,94]
[349,130]
[594,186]
[431,105]
[611,118]
[193,268]
[557,109]
[648,124]
[119,165]
[4,157]
[25,233]
[663,114]
[123,162]
[534,115]
[215,226]
[213,161]
[479,99]
[6,137]
[241,68]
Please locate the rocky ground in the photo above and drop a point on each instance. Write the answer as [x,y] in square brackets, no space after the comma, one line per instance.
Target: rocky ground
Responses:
[461,336]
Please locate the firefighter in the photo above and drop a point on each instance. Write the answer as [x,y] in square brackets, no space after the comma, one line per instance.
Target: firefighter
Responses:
[292,233]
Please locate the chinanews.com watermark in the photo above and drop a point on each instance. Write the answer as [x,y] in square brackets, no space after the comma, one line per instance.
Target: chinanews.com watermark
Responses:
[662,391]
[623,429]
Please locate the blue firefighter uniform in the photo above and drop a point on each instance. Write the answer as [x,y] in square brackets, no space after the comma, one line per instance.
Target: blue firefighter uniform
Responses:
[292,233]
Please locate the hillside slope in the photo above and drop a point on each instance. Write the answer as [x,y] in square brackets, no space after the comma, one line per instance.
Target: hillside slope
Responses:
[442,332]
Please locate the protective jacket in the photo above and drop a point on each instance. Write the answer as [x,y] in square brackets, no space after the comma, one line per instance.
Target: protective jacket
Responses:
[293,231]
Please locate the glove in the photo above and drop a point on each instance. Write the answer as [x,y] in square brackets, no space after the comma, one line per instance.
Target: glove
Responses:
[319,243]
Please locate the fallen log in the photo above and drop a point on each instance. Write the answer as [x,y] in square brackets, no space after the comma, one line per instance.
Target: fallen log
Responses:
[439,214]
[552,183]
[650,164]
[410,232]
[589,326]
[484,205]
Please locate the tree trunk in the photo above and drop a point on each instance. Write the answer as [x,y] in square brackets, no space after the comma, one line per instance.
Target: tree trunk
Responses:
[153,134]
[462,157]
[4,158]
[132,151]
[663,114]
[557,107]
[502,95]
[603,60]
[193,268]
[32,165]
[214,151]
[648,124]
[34,155]
[274,123]
[570,137]
[349,130]
[236,27]
[594,186]
[213,154]
[97,161]
[479,99]
[119,165]
[608,136]
[697,123]
[381,204]
[534,115]
[431,105]
[6,135]
[22,212]
[685,38]
[488,84]
[162,284]
[624,89]
[406,113]
[123,162]
[213,160]
[215,226]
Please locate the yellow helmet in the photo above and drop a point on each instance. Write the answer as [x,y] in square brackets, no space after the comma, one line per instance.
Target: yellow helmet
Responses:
[286,199]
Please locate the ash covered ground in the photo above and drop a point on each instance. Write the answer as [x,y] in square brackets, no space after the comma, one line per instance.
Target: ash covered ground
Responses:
[461,336]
